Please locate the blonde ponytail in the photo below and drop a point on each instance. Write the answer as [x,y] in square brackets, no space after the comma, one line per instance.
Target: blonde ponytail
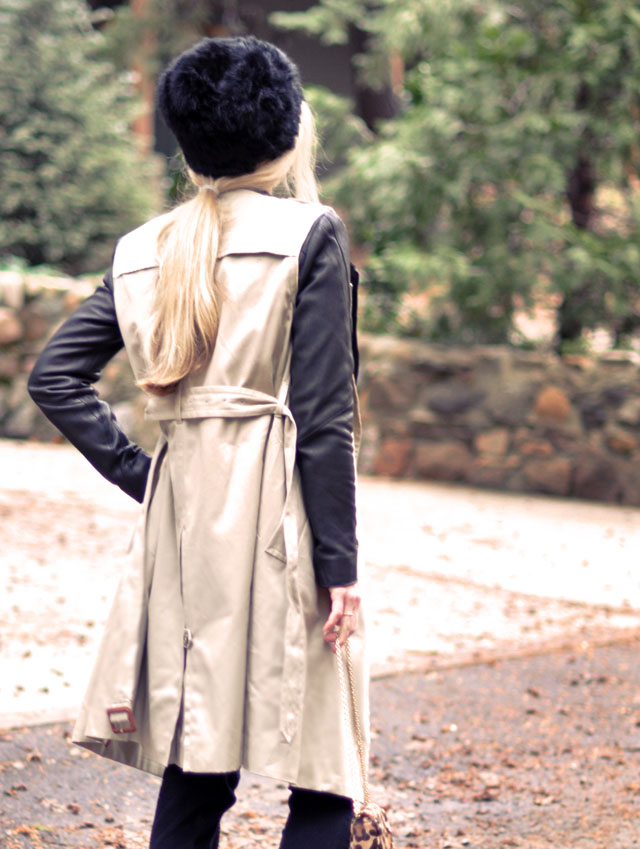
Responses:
[186,301]
[186,309]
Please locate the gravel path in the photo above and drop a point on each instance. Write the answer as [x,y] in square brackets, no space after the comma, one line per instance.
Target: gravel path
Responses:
[537,753]
[454,574]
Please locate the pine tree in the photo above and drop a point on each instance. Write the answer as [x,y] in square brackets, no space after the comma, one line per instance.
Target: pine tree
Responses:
[71,175]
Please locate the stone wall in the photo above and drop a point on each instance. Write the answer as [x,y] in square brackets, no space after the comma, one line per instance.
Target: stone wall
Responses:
[503,418]
[31,307]
[488,416]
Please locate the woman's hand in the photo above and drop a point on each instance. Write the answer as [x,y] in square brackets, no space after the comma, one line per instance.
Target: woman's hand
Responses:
[343,618]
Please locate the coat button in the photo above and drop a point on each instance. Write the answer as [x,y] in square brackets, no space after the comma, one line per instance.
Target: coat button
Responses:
[187,640]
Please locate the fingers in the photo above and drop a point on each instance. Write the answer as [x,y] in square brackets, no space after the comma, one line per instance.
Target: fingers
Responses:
[342,621]
[346,627]
[336,613]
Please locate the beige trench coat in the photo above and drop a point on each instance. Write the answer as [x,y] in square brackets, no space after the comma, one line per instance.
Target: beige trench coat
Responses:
[214,639]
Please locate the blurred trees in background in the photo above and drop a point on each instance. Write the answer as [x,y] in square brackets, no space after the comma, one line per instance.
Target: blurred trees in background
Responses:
[489,160]
[72,177]
[510,172]
[173,25]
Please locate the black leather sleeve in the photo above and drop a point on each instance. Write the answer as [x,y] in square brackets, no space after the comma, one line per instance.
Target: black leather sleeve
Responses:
[321,399]
[61,385]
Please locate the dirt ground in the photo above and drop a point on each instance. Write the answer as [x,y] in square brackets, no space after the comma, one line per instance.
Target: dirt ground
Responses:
[530,752]
[505,639]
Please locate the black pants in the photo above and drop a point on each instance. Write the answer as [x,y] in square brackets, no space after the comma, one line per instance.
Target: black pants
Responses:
[190,806]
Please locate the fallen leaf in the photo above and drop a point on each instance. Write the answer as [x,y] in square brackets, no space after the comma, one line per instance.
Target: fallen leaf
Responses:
[485,795]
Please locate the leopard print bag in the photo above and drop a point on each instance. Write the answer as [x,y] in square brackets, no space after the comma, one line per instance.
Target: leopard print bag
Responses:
[369,827]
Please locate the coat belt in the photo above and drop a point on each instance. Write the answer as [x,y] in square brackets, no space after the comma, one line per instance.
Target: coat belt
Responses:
[240,402]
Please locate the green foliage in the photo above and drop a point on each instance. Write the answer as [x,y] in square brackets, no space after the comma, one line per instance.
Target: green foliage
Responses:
[462,201]
[328,21]
[72,178]
[159,31]
[340,131]
[19,264]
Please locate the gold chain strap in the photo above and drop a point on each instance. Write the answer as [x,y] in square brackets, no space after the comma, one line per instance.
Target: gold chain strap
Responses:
[351,713]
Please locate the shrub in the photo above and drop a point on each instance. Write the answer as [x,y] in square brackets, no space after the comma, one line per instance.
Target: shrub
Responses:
[72,177]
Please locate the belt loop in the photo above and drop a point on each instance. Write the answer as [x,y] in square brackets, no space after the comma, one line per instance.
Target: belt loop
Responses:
[179,403]
[283,395]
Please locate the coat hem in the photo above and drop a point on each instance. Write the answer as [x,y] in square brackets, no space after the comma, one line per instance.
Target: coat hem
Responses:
[124,752]
[128,753]
[322,787]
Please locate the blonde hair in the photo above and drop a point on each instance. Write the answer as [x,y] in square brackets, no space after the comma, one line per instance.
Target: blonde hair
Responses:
[186,308]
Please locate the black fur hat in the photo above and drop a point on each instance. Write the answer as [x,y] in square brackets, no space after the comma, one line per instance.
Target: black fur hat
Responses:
[231,103]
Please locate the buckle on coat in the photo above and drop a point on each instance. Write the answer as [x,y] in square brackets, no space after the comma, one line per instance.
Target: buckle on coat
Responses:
[121,719]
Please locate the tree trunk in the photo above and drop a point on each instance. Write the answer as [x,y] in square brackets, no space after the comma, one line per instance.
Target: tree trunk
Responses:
[372,104]
[580,192]
[581,185]
[143,123]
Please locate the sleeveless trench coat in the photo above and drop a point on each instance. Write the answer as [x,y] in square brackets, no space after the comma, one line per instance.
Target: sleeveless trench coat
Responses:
[214,640]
